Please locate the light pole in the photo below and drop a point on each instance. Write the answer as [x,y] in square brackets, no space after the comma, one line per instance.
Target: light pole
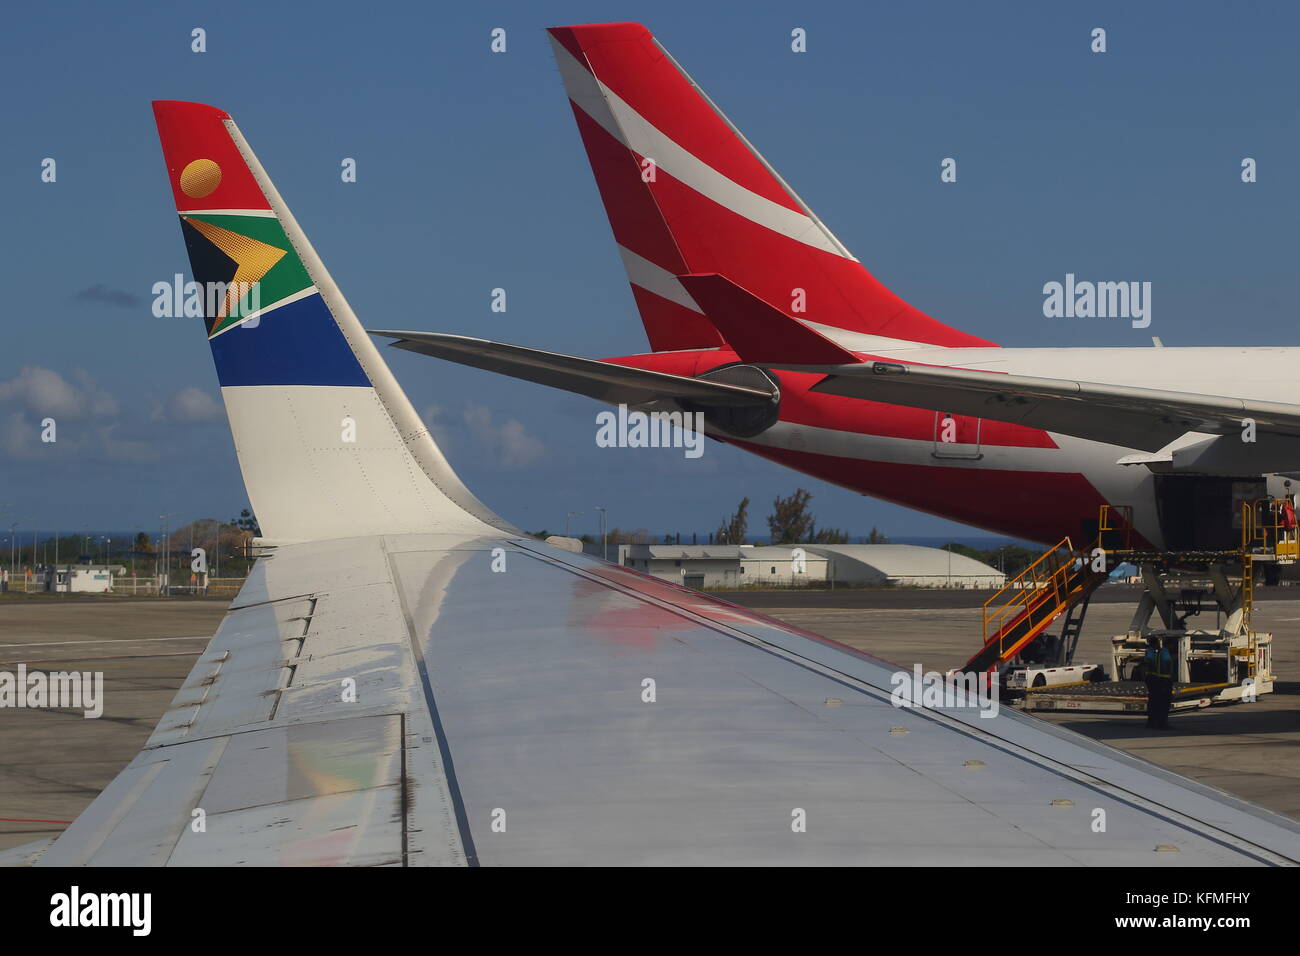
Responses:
[164,544]
[13,545]
[604,549]
[9,514]
[568,515]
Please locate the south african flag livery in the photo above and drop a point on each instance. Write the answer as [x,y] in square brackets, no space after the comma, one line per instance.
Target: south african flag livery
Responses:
[266,319]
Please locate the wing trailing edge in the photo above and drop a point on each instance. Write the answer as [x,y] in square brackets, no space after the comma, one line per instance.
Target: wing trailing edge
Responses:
[602,380]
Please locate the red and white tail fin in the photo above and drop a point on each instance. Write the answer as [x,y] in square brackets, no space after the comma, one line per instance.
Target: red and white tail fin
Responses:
[686,193]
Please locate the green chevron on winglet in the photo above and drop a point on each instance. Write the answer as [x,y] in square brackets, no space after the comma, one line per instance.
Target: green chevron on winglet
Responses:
[261,255]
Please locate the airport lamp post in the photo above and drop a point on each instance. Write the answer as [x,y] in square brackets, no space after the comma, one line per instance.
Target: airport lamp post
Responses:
[13,546]
[604,524]
[571,514]
[8,514]
[164,574]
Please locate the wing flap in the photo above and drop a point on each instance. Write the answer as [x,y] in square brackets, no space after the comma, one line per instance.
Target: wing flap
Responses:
[300,737]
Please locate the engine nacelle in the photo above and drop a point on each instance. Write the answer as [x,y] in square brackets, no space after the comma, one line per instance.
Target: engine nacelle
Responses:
[741,421]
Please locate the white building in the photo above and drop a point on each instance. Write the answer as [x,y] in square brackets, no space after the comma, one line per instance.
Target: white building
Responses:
[795,565]
[79,578]
[906,565]
[784,565]
[694,565]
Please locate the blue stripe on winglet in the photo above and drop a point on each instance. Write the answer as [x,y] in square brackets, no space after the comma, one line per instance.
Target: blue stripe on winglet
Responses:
[296,344]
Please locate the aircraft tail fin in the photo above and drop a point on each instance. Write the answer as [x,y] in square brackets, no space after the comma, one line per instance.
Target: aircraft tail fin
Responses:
[328,442]
[685,192]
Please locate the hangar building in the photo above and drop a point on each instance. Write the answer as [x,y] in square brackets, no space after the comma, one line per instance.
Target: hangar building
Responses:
[869,565]
[906,565]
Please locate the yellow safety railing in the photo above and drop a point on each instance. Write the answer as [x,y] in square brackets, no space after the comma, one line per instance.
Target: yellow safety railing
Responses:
[1114,518]
[1043,580]
[1269,525]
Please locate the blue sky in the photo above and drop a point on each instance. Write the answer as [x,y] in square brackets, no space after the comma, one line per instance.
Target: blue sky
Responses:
[471,176]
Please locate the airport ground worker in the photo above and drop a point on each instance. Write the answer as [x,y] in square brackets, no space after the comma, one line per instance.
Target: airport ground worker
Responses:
[1158,669]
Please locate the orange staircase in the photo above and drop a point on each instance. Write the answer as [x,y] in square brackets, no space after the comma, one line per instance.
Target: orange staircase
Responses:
[1062,578]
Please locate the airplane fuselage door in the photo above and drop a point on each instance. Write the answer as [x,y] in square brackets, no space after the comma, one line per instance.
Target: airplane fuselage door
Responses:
[956,437]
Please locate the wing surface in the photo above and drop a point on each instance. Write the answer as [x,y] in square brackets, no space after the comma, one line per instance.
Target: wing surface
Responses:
[501,715]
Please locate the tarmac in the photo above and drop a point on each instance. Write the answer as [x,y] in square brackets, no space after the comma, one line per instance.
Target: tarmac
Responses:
[1251,750]
[54,762]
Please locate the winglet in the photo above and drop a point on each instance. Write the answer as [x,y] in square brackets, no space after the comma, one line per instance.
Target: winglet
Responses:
[759,332]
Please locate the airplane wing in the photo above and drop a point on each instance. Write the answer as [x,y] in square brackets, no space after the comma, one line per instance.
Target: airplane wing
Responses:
[604,381]
[1145,418]
[406,680]
[483,700]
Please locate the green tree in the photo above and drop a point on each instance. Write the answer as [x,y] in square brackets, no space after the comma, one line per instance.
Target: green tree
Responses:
[1011,558]
[830,536]
[967,550]
[247,522]
[791,521]
[734,529]
[143,544]
[630,536]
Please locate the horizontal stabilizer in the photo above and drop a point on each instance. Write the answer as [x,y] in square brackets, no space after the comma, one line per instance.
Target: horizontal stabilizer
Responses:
[759,332]
[604,381]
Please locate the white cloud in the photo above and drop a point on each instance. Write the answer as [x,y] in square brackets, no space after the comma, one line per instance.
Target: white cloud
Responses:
[433,418]
[18,438]
[509,441]
[191,406]
[124,449]
[46,393]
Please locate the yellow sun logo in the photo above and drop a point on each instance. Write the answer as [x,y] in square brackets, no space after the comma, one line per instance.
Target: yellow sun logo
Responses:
[200,178]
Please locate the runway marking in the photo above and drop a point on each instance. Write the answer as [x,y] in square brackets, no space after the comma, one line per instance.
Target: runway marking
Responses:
[123,640]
